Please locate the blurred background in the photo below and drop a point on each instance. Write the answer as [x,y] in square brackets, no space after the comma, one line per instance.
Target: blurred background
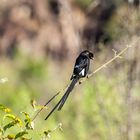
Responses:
[39,41]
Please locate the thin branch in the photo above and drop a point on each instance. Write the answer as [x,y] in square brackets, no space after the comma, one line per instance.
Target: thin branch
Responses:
[95,71]
[111,60]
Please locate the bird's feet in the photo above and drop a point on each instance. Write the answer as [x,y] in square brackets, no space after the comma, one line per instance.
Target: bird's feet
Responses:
[80,82]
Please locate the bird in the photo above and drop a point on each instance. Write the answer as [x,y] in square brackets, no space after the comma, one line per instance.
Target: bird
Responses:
[80,70]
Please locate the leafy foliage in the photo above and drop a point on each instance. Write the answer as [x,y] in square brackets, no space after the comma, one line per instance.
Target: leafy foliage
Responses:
[104,107]
[24,126]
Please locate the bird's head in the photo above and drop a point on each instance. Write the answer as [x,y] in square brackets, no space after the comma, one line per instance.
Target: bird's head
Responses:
[89,54]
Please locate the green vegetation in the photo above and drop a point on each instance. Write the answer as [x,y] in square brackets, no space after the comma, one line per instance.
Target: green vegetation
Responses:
[38,45]
[96,109]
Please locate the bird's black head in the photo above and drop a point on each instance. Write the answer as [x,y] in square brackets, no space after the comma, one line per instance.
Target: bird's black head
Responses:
[89,54]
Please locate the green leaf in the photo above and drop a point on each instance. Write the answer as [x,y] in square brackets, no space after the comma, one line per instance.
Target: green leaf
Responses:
[14,118]
[5,109]
[2,107]
[33,103]
[26,115]
[10,116]
[28,119]
[9,125]
[11,136]
[17,120]
[1,131]
[20,134]
[29,124]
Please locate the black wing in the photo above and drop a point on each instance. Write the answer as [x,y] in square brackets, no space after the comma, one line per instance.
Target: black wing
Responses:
[81,63]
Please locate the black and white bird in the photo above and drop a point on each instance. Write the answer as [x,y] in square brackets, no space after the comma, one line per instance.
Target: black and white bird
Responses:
[80,70]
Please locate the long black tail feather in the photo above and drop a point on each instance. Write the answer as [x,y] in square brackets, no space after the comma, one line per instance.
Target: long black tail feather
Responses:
[64,97]
[53,109]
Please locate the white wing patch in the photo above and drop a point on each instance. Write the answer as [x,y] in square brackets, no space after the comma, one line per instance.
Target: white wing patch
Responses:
[82,72]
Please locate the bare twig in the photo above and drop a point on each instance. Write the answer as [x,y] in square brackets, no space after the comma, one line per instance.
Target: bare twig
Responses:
[111,60]
[119,55]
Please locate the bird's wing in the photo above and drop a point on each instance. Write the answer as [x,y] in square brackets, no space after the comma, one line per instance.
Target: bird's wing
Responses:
[81,64]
